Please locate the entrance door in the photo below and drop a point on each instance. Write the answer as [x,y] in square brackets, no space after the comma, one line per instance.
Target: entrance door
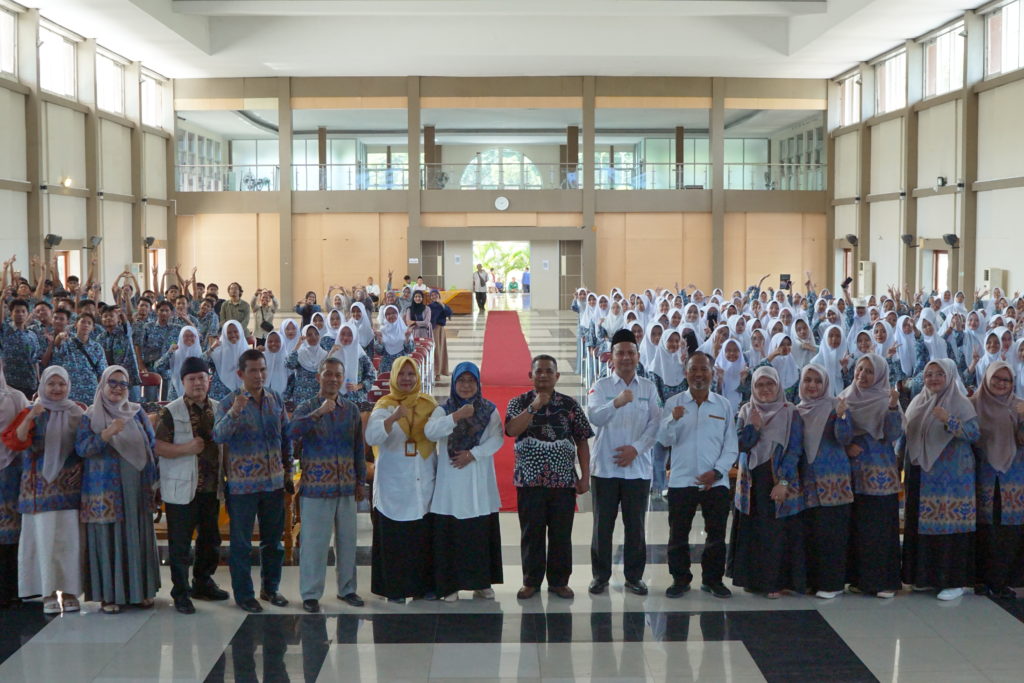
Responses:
[432,263]
[570,276]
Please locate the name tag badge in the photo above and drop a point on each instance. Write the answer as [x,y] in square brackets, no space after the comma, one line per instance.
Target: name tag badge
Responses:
[645,398]
[410,449]
[716,417]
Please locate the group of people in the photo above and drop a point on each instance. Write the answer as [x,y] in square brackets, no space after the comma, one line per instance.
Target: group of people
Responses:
[848,405]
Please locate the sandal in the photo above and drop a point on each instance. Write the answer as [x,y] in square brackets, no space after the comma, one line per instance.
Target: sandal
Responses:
[71,605]
[146,604]
[51,606]
[110,608]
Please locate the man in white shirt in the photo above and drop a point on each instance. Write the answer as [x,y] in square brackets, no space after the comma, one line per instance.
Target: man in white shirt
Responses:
[698,426]
[625,410]
[373,290]
[480,279]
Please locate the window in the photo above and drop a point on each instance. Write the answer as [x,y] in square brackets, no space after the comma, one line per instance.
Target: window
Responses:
[944,62]
[57,62]
[8,40]
[152,93]
[498,169]
[109,84]
[891,83]
[1003,40]
[849,100]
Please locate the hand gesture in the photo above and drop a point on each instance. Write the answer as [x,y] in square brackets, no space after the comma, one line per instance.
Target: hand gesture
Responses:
[977,354]
[116,427]
[541,400]
[677,413]
[582,485]
[779,493]
[238,405]
[400,412]
[1019,407]
[841,408]
[708,479]
[328,406]
[624,456]
[377,335]
[195,446]
[719,374]
[756,419]
[214,344]
[892,350]
[36,410]
[464,413]
[351,386]
[360,493]
[845,361]
[461,459]
[853,450]
[894,397]
[624,397]
[940,413]
[174,347]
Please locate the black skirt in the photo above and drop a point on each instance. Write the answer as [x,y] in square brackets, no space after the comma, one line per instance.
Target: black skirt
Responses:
[827,535]
[401,564]
[937,561]
[873,563]
[467,553]
[766,554]
[1000,553]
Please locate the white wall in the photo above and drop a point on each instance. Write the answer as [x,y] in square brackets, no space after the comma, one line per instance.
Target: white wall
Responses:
[886,246]
[1000,238]
[64,139]
[116,248]
[544,282]
[939,149]
[1000,134]
[14,235]
[458,275]
[937,215]
[64,216]
[12,142]
[154,166]
[155,221]
[847,163]
[115,158]
[887,157]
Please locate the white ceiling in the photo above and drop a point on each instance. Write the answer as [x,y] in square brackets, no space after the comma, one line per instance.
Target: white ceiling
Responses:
[750,38]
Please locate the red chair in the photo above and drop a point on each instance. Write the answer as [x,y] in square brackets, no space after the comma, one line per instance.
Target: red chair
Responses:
[384,376]
[376,362]
[152,379]
[373,395]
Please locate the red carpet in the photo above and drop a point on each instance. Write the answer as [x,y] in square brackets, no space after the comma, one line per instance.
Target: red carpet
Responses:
[506,362]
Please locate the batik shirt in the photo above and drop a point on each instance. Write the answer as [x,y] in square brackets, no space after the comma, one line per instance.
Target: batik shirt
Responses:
[546,451]
[784,464]
[948,497]
[826,481]
[102,495]
[873,472]
[209,326]
[156,339]
[333,456]
[256,444]
[21,351]
[36,493]
[119,350]
[85,364]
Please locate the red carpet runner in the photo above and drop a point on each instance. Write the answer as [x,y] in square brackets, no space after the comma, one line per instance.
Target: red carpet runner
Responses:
[506,362]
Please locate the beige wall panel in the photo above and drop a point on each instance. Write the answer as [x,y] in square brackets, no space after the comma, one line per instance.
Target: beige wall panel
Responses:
[696,267]
[611,271]
[770,246]
[1000,134]
[186,245]
[937,215]
[938,144]
[1000,239]
[65,216]
[12,142]
[351,245]
[498,220]
[815,249]
[116,248]
[14,235]
[155,221]
[847,164]
[736,251]
[115,158]
[559,220]
[269,258]
[307,255]
[443,220]
[886,248]
[846,220]
[394,238]
[653,253]
[64,141]
[227,249]
[154,166]
[887,156]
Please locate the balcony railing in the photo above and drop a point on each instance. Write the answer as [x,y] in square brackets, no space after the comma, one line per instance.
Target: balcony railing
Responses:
[313,177]
[653,176]
[227,178]
[775,176]
[501,176]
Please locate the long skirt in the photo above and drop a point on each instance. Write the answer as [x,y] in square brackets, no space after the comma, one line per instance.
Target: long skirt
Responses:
[766,553]
[1000,550]
[122,563]
[937,561]
[873,563]
[50,553]
[401,561]
[467,553]
[827,535]
[440,350]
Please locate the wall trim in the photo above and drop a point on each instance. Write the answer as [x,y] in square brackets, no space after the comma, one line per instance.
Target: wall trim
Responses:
[1000,184]
[15,86]
[1000,80]
[115,197]
[50,98]
[886,196]
[114,118]
[168,203]
[951,96]
[844,201]
[84,193]
[159,132]
[935,192]
[15,185]
[888,116]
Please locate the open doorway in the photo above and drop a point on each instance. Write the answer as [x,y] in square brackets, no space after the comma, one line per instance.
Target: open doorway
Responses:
[508,264]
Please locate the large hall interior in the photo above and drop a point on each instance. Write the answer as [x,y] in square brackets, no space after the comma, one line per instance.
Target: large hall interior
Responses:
[620,212]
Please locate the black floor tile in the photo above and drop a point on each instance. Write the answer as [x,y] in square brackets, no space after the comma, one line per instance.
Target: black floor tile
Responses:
[18,624]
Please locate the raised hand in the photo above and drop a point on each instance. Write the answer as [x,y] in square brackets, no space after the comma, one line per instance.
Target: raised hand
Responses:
[756,419]
[238,405]
[36,410]
[678,412]
[853,450]
[624,397]
[464,413]
[328,406]
[894,397]
[940,413]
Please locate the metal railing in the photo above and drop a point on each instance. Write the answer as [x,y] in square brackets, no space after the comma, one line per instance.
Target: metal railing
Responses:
[775,176]
[653,176]
[313,177]
[501,176]
[227,177]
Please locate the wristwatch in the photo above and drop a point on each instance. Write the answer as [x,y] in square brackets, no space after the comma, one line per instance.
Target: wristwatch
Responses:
[783,482]
[530,410]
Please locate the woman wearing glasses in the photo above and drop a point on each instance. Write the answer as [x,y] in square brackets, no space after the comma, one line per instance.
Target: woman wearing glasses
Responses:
[116,443]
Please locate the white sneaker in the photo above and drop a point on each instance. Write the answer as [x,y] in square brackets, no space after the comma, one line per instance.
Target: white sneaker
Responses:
[886,595]
[950,594]
[453,597]
[828,595]
[484,593]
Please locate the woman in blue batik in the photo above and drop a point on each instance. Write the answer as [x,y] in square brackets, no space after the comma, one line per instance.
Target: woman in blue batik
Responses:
[394,338]
[82,357]
[12,402]
[359,372]
[304,362]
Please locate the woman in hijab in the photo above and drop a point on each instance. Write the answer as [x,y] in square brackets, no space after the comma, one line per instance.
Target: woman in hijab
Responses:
[418,316]
[732,375]
[223,357]
[667,371]
[938,538]
[467,536]
[82,356]
[304,362]
[290,335]
[329,335]
[406,463]
[757,352]
[393,339]
[116,443]
[766,554]
[1000,480]
[780,357]
[307,307]
[874,411]
[832,357]
[50,546]
[825,482]
[650,342]
[12,402]
[360,318]
[278,374]
[359,372]
[992,353]
[440,314]
[804,348]
[188,346]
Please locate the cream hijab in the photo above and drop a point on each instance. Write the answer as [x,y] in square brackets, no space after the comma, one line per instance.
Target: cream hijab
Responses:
[61,426]
[815,411]
[927,437]
[998,420]
[777,415]
[867,407]
[132,443]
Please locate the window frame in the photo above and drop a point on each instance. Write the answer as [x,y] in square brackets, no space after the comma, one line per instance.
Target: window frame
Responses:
[160,83]
[15,15]
[121,64]
[882,84]
[956,32]
[857,87]
[988,16]
[69,39]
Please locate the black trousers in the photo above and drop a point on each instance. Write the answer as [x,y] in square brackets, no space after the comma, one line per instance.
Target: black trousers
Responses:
[609,495]
[481,300]
[1000,549]
[546,512]
[682,506]
[8,572]
[199,516]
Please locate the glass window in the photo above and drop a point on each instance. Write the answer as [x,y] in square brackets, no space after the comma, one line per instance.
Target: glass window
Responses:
[109,84]
[57,63]
[152,94]
[1003,40]
[849,100]
[497,169]
[944,62]
[891,83]
[8,40]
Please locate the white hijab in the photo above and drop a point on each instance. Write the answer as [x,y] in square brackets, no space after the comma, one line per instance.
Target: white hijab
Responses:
[801,355]
[830,360]
[393,333]
[180,354]
[350,355]
[287,344]
[648,349]
[309,356]
[364,328]
[785,365]
[936,345]
[666,365]
[225,357]
[731,374]
[277,371]
[333,330]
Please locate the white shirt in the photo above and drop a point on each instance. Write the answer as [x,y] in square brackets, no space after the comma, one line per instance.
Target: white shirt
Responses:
[480,278]
[634,424]
[373,289]
[402,486]
[471,491]
[703,439]
[420,288]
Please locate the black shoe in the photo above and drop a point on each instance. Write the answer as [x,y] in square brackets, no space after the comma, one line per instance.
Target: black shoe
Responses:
[677,589]
[638,588]
[275,599]
[311,606]
[716,589]
[208,591]
[251,605]
[184,605]
[597,586]
[352,599]
[1004,593]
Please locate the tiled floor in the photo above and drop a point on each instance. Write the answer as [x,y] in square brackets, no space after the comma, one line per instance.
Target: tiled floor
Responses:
[613,637]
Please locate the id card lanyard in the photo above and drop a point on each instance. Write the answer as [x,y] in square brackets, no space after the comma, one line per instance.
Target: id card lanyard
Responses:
[411,450]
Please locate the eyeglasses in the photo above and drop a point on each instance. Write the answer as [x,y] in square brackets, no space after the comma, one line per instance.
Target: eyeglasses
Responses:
[1000,380]
[117,384]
